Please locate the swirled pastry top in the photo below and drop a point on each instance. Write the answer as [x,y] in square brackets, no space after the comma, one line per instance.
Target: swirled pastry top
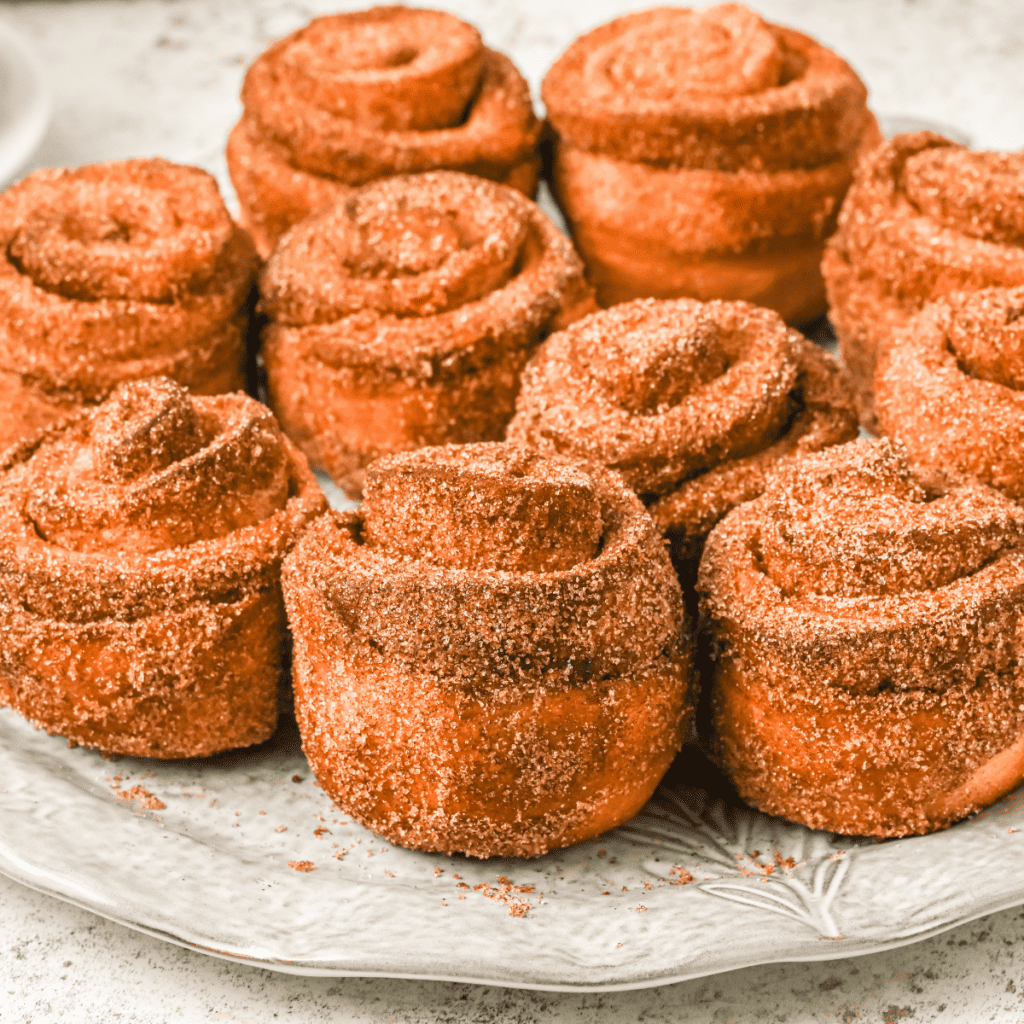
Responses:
[719,89]
[389,90]
[859,568]
[664,390]
[151,498]
[490,562]
[950,386]
[111,266]
[927,217]
[414,267]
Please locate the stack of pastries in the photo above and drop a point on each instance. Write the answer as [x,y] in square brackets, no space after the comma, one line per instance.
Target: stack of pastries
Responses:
[926,219]
[355,97]
[495,654]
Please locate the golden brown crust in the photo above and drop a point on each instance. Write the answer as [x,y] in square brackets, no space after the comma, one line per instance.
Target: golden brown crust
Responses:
[704,154]
[115,272]
[403,316]
[924,218]
[272,194]
[866,622]
[948,385]
[355,97]
[695,404]
[140,548]
[490,695]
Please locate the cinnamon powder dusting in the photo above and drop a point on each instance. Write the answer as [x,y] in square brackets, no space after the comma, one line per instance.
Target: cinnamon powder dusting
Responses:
[506,893]
[139,794]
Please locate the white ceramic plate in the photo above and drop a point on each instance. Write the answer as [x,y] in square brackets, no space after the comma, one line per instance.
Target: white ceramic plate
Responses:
[211,854]
[24,103]
[241,856]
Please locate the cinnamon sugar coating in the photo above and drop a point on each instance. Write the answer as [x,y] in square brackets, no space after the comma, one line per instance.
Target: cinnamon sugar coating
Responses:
[949,386]
[140,552]
[403,316]
[363,95]
[925,218]
[695,404]
[866,620]
[115,272]
[519,683]
[704,154]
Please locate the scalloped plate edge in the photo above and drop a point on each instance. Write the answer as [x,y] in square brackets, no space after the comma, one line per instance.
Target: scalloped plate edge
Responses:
[309,970]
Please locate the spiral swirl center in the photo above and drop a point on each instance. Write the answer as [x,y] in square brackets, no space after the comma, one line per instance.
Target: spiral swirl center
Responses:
[986,334]
[150,469]
[978,194]
[473,507]
[656,362]
[142,230]
[390,68]
[727,50]
[410,243]
[411,246]
[143,428]
[871,529]
[360,48]
[58,248]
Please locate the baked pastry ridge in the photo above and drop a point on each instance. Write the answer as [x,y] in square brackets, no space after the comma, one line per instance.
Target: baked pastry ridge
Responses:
[115,272]
[695,404]
[403,316]
[363,95]
[704,154]
[925,218]
[140,551]
[948,385]
[866,623]
[491,655]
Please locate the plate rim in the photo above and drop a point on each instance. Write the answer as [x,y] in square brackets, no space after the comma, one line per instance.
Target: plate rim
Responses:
[296,969]
[681,960]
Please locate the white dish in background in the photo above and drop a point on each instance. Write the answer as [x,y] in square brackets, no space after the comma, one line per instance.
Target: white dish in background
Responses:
[24,103]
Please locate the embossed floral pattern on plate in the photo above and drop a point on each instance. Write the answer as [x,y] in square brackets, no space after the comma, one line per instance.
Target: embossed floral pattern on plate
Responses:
[232,857]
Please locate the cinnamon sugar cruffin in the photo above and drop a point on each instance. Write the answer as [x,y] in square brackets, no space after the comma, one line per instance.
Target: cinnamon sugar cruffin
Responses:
[140,549]
[403,316]
[704,154]
[695,404]
[491,656]
[115,272]
[867,625]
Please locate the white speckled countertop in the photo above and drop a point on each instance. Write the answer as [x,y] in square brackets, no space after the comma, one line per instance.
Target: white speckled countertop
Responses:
[160,77]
